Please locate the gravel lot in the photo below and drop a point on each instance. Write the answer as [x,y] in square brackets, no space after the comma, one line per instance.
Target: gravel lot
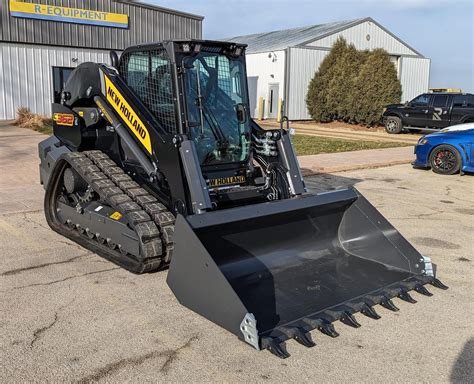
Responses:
[69,316]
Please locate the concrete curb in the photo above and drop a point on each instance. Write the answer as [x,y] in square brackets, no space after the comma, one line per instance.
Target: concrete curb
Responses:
[344,168]
[353,160]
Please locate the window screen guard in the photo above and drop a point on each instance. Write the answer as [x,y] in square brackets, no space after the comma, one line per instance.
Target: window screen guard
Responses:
[149,74]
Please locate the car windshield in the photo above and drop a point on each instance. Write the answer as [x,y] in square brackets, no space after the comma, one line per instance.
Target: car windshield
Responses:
[215,93]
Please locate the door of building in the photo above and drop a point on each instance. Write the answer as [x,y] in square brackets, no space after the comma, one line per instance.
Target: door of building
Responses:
[273,100]
[253,88]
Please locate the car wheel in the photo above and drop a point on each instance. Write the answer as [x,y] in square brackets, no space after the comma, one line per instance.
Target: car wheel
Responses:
[445,160]
[393,124]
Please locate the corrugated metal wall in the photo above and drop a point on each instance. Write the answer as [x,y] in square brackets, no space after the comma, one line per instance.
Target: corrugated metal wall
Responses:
[415,76]
[302,65]
[145,25]
[357,35]
[262,71]
[26,74]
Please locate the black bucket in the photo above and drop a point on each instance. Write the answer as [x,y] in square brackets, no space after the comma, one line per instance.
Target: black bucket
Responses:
[290,266]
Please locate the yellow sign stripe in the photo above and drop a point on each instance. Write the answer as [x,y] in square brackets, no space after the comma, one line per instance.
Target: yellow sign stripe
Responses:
[68,15]
[123,109]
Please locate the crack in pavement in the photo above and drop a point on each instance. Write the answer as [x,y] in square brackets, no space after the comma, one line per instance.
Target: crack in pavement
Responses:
[65,279]
[110,369]
[31,221]
[20,270]
[37,333]
[40,331]
[172,355]
[70,244]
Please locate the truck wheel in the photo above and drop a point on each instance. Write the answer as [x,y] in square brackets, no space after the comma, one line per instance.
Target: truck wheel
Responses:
[393,124]
[445,160]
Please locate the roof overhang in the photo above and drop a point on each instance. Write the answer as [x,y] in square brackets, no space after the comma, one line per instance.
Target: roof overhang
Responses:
[139,3]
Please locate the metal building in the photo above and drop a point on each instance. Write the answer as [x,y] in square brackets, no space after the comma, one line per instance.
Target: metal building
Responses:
[41,41]
[280,64]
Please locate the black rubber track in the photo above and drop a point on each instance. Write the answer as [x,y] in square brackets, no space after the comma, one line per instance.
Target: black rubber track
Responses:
[152,222]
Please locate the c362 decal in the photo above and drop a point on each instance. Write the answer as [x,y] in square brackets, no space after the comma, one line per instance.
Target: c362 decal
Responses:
[123,109]
[64,119]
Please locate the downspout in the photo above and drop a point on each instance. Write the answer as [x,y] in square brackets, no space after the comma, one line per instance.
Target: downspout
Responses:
[286,82]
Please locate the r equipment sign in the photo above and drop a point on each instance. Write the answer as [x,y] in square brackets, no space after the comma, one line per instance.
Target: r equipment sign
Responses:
[67,15]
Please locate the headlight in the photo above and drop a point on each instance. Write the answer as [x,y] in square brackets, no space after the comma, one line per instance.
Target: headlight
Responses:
[384,110]
[422,141]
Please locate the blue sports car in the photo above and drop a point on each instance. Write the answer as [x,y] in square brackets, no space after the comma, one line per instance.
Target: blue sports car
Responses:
[448,151]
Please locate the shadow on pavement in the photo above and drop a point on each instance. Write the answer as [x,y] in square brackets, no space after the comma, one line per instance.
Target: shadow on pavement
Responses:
[463,368]
[329,182]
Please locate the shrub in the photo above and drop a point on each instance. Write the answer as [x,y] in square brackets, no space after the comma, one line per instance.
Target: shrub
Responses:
[23,115]
[376,86]
[317,99]
[27,119]
[352,85]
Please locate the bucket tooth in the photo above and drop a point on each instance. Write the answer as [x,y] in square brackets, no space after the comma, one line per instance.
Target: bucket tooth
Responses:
[368,311]
[276,348]
[421,289]
[328,329]
[349,320]
[387,303]
[303,338]
[438,284]
[405,296]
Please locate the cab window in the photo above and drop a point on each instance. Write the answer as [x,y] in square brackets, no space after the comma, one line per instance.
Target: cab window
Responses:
[149,74]
[440,101]
[463,101]
[421,101]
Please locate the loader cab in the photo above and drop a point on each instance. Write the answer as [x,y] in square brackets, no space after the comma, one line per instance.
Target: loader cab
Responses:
[198,89]
[214,110]
[215,107]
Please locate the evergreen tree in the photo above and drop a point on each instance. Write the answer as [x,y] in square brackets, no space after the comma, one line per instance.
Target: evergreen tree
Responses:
[317,96]
[376,86]
[343,76]
[352,85]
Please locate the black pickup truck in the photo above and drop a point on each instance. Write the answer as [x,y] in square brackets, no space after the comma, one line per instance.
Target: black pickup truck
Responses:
[429,111]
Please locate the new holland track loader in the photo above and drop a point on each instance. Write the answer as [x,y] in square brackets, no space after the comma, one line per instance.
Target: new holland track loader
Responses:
[156,163]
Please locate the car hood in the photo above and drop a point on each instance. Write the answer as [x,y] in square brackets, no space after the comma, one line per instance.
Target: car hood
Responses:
[394,106]
[459,128]
[454,131]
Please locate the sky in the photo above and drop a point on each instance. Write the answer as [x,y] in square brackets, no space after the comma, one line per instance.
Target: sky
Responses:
[441,30]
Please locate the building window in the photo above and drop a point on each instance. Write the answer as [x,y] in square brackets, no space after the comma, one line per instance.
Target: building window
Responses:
[60,76]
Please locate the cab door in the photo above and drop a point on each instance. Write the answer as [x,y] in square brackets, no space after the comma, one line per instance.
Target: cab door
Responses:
[439,111]
[415,114]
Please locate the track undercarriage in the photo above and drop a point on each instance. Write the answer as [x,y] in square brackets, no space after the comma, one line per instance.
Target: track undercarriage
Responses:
[94,203]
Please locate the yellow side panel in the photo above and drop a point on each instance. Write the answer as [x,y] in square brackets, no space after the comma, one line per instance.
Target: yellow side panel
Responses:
[123,109]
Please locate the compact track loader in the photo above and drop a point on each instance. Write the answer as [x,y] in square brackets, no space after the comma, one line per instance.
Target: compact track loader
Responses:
[156,163]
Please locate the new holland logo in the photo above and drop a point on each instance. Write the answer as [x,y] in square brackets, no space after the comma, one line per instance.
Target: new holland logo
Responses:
[64,119]
[118,102]
[221,181]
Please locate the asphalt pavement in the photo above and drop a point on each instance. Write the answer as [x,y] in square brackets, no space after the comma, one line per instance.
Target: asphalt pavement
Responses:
[69,316]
